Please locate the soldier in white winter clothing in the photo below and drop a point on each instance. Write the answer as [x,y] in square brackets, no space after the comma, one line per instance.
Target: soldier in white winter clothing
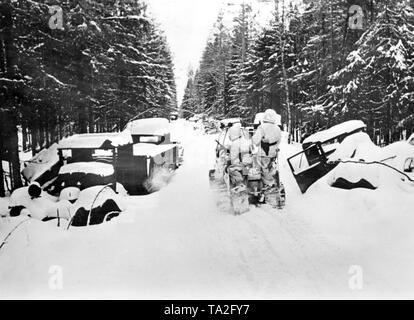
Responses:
[240,153]
[268,138]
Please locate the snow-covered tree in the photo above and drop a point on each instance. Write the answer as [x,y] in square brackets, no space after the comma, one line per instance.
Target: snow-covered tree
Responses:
[377,81]
[106,62]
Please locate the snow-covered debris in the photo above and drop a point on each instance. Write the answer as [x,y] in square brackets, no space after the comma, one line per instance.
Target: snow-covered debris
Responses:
[21,197]
[97,168]
[96,196]
[335,131]
[39,208]
[44,161]
[96,205]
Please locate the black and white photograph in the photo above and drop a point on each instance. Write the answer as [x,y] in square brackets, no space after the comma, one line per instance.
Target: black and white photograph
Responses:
[209,150]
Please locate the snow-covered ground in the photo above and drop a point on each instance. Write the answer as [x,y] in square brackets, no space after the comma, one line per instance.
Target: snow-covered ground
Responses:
[176,244]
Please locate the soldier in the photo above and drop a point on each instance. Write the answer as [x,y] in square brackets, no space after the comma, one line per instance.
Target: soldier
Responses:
[267,138]
[240,154]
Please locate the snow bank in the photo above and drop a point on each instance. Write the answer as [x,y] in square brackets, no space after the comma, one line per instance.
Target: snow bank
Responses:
[325,135]
[41,163]
[97,168]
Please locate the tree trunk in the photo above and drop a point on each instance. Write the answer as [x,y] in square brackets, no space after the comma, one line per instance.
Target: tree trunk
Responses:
[41,135]
[82,119]
[2,190]
[284,73]
[34,138]
[24,134]
[91,121]
[13,148]
[286,89]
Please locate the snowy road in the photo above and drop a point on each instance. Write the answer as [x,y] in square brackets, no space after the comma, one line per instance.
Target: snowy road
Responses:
[176,244]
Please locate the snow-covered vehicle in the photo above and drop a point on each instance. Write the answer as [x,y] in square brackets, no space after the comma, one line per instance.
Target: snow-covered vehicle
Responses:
[348,159]
[135,158]
[362,164]
[311,164]
[43,167]
[131,157]
[90,206]
[96,205]
[87,160]
[82,175]
[151,158]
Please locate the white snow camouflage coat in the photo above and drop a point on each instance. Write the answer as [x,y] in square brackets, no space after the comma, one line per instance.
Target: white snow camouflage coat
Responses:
[270,133]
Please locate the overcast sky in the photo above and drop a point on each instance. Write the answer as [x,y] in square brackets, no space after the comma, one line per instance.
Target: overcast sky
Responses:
[187,24]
